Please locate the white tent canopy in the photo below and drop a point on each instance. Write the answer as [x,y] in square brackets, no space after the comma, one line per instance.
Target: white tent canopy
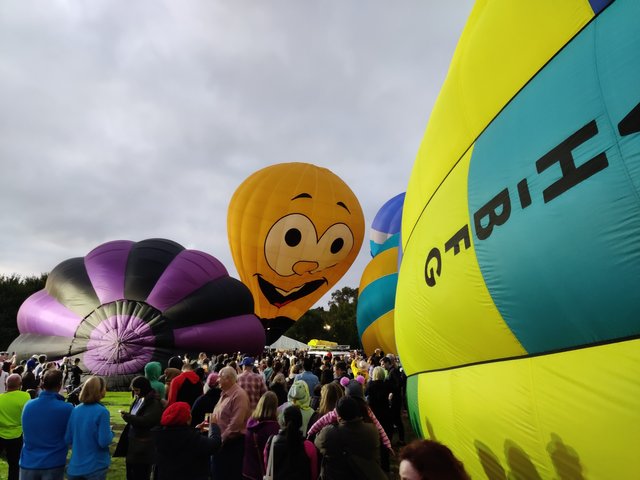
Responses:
[286,343]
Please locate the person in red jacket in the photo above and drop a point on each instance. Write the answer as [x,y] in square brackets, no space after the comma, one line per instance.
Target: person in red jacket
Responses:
[186,387]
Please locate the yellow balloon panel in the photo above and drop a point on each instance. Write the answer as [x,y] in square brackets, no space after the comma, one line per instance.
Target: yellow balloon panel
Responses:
[385,263]
[451,324]
[540,417]
[380,334]
[503,45]
[294,230]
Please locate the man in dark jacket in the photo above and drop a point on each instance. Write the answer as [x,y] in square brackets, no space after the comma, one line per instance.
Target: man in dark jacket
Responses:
[350,449]
[183,451]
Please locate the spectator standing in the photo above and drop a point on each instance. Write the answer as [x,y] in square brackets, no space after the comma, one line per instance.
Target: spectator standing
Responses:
[89,434]
[206,402]
[354,390]
[299,396]
[4,374]
[12,403]
[153,371]
[136,442]
[329,396]
[187,386]
[44,423]
[279,387]
[40,367]
[394,380]
[377,393]
[29,381]
[350,449]
[294,458]
[231,415]
[183,452]
[252,383]
[307,375]
[76,373]
[268,372]
[339,371]
[261,425]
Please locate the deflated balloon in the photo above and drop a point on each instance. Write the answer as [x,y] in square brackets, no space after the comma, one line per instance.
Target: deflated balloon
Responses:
[517,302]
[126,303]
[294,230]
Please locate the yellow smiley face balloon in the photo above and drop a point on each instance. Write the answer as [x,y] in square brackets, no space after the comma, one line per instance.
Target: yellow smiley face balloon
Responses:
[294,230]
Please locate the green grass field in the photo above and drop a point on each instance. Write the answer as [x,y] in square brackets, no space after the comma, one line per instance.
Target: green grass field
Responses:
[115,401]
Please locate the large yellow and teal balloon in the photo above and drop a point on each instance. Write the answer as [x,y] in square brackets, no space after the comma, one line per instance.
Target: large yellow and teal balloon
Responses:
[377,291]
[518,309]
[294,230]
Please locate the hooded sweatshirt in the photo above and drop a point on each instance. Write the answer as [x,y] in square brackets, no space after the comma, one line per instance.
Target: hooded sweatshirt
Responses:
[186,387]
[299,396]
[258,432]
[152,371]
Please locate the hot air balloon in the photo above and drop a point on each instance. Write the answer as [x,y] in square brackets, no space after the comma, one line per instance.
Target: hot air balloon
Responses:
[517,303]
[294,230]
[386,225]
[126,303]
[377,292]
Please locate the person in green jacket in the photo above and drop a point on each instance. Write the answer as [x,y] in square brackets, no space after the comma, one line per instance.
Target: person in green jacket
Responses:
[152,371]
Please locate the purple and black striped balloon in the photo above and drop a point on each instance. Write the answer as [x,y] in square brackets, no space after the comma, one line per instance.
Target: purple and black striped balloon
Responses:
[127,303]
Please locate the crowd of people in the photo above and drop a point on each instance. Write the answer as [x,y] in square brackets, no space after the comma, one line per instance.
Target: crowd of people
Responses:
[285,415]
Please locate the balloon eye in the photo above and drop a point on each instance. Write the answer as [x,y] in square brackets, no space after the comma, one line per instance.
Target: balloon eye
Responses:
[337,245]
[293,237]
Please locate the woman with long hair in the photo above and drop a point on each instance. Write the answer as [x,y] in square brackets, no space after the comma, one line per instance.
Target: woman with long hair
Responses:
[261,425]
[136,441]
[292,457]
[89,433]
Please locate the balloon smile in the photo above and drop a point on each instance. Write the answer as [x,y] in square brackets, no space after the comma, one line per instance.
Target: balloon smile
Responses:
[279,298]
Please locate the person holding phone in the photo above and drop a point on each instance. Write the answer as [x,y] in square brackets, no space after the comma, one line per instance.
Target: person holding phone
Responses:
[136,441]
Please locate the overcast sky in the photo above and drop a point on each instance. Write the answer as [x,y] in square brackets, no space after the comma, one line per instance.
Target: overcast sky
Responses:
[139,119]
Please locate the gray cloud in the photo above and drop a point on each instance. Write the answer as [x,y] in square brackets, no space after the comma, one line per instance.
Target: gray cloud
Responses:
[139,119]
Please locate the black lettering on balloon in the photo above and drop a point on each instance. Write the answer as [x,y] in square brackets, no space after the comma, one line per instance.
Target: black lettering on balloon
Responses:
[488,211]
[571,175]
[631,122]
[498,210]
[524,194]
[429,274]
[461,235]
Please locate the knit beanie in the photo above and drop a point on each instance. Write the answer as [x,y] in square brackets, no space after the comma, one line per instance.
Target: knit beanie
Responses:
[178,413]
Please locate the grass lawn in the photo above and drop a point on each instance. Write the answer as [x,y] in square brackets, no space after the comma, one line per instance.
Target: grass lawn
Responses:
[115,401]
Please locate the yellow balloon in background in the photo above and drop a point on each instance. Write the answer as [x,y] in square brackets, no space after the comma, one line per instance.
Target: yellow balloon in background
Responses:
[294,230]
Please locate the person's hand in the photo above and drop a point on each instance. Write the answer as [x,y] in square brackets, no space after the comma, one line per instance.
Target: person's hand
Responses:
[203,427]
[213,419]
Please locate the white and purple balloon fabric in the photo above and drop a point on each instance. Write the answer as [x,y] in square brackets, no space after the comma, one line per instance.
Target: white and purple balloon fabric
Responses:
[127,303]
[386,225]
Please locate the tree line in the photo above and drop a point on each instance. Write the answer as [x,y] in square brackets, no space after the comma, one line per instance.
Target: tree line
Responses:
[14,290]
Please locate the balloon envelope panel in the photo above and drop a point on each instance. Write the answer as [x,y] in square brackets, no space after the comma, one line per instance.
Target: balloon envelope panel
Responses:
[128,303]
[386,224]
[294,230]
[377,291]
[521,244]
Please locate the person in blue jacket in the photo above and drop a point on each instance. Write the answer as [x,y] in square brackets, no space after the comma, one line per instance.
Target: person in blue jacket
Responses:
[89,434]
[44,423]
